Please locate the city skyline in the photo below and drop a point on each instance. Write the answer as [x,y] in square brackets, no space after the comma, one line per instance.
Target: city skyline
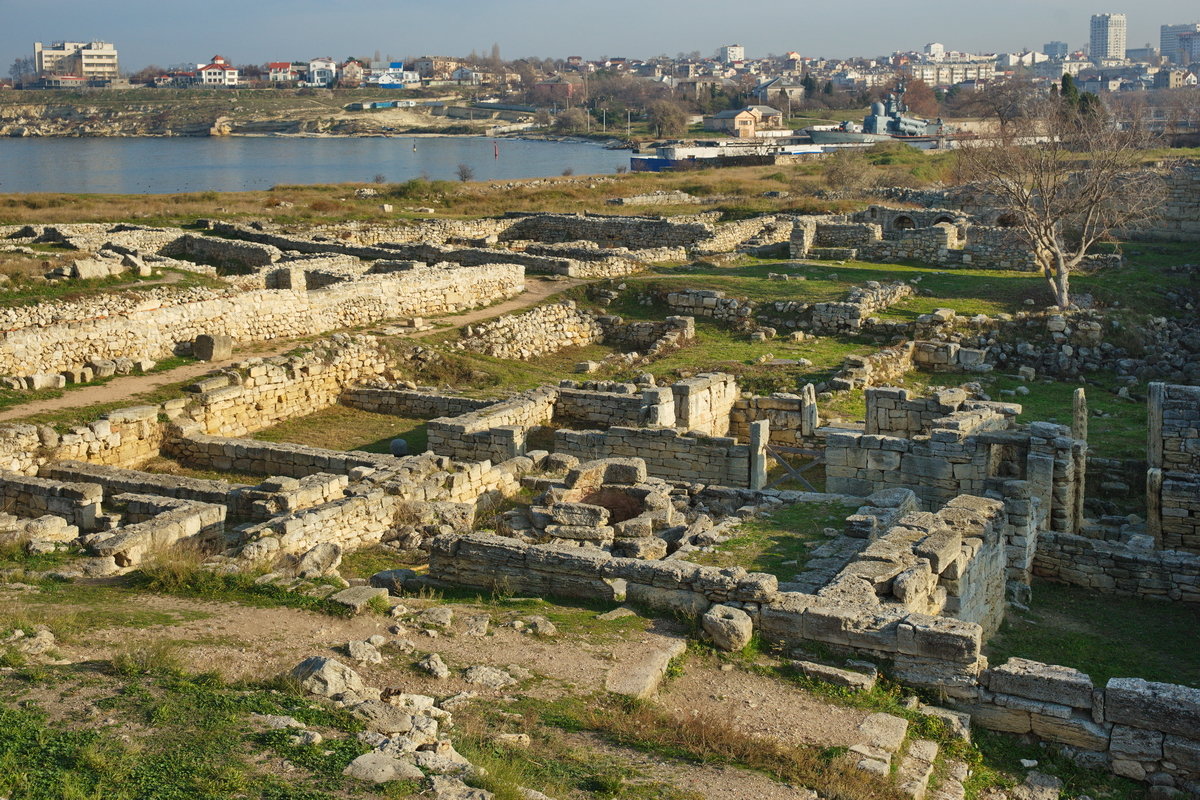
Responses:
[273,30]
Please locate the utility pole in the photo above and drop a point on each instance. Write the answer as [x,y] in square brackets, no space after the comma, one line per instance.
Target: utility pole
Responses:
[604,120]
[628,122]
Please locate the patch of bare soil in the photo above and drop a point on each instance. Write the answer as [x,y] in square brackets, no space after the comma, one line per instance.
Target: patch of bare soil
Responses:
[761,706]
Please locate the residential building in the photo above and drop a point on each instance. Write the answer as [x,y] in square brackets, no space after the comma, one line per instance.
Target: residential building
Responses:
[733,54]
[1188,49]
[322,72]
[1107,37]
[217,73]
[352,73]
[1057,50]
[467,76]
[1170,78]
[935,51]
[1146,53]
[1054,70]
[89,60]
[1168,40]
[436,68]
[949,73]
[282,72]
[559,91]
[744,123]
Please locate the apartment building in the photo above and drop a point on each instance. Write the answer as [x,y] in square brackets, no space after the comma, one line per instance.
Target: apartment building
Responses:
[88,60]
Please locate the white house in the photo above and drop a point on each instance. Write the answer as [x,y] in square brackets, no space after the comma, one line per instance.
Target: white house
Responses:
[467,76]
[218,72]
[282,72]
[322,72]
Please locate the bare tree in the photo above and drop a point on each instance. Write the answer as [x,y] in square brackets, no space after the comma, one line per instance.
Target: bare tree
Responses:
[22,70]
[465,172]
[1068,177]
[845,170]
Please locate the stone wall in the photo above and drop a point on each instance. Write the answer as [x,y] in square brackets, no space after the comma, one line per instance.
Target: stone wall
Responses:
[153,523]
[704,403]
[861,302]
[25,496]
[1038,469]
[633,232]
[936,237]
[670,453]
[267,499]
[270,458]
[1173,457]
[589,408]
[895,412]
[545,329]
[222,252]
[259,393]
[414,404]
[713,304]
[496,433]
[157,330]
[881,368]
[793,418]
[1117,568]
[1178,219]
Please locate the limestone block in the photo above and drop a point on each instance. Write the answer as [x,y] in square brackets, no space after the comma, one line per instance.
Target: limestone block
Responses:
[1038,681]
[728,628]
[1154,706]
[1078,731]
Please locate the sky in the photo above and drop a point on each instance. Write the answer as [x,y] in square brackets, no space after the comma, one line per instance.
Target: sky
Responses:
[168,32]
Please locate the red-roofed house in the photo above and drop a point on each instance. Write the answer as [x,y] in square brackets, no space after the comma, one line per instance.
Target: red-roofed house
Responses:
[217,73]
[282,72]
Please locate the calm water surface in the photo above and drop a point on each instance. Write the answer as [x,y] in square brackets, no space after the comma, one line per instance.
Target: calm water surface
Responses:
[164,166]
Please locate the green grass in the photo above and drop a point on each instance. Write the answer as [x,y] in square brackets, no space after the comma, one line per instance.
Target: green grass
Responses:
[1104,635]
[343,428]
[1000,756]
[778,543]
[71,608]
[189,740]
[1122,434]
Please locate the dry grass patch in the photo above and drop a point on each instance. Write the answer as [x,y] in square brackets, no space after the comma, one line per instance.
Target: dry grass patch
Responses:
[344,428]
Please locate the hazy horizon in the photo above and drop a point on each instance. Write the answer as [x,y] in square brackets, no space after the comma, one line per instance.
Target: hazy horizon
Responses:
[270,30]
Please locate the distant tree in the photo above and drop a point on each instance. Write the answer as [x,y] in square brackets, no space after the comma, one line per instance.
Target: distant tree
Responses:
[464,172]
[667,118]
[543,118]
[919,98]
[809,83]
[845,170]
[1070,178]
[22,70]
[573,120]
[147,74]
[1003,102]
[828,87]
[495,57]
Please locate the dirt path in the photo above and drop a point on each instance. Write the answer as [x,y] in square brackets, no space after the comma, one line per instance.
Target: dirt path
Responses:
[130,386]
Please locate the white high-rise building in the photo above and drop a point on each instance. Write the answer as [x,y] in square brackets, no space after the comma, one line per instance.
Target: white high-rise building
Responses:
[1168,40]
[82,59]
[935,51]
[1108,36]
[733,53]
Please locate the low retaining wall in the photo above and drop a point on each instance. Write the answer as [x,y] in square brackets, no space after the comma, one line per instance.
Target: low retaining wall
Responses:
[671,454]
[413,404]
[546,329]
[270,458]
[495,433]
[157,522]
[1115,568]
[77,503]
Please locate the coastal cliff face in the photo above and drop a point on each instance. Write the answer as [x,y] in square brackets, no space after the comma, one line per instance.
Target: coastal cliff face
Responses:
[28,114]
